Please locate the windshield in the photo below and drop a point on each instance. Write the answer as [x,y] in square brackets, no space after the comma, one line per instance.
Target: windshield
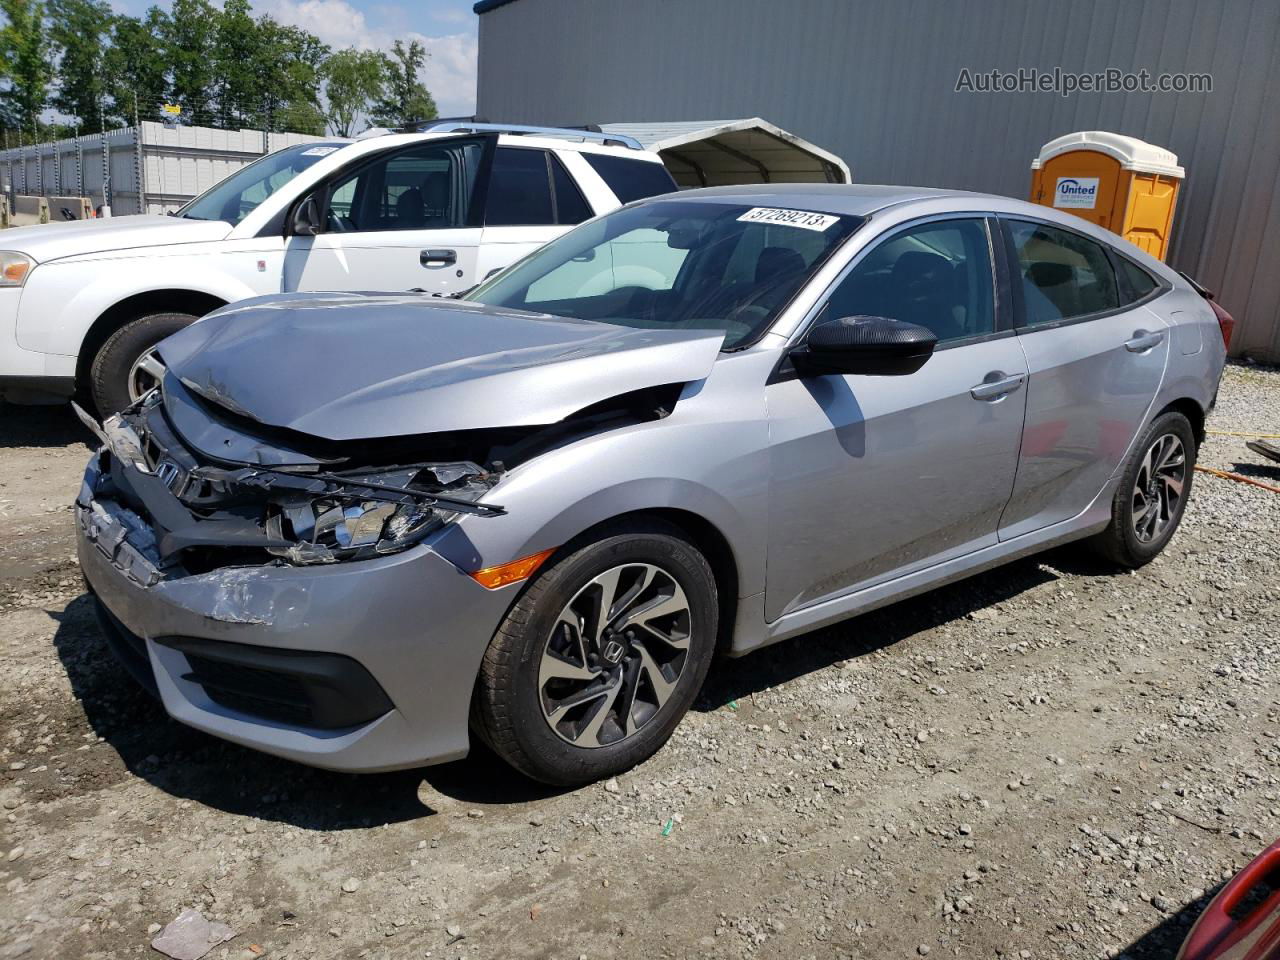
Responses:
[675,263]
[236,197]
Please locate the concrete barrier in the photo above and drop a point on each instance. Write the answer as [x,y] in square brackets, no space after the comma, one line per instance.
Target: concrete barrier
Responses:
[28,210]
[77,207]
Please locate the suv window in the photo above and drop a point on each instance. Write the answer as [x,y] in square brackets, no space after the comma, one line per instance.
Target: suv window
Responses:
[519,189]
[1064,275]
[1135,282]
[571,206]
[631,179]
[425,187]
[238,195]
[937,275]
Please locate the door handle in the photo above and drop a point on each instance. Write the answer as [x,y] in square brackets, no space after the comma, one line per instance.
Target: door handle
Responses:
[1143,341]
[438,258]
[997,386]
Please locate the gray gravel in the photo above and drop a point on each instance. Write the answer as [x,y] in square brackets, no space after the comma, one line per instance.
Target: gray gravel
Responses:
[1047,761]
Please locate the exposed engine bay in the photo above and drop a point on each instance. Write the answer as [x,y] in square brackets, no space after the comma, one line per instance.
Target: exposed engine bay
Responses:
[244,493]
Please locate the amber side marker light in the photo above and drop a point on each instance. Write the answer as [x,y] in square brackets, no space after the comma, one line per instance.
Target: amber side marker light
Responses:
[513,572]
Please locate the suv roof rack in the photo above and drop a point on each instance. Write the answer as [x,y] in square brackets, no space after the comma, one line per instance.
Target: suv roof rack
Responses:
[565,133]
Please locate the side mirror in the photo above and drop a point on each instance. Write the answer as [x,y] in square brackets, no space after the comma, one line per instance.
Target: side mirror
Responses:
[306,218]
[865,345]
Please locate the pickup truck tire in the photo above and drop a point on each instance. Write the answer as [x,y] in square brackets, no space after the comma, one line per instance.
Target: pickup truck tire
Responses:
[113,366]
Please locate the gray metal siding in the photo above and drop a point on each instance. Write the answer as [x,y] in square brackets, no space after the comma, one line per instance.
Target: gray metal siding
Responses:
[874,81]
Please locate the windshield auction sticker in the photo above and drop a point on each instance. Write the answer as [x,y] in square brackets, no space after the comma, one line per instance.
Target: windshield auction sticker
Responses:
[804,219]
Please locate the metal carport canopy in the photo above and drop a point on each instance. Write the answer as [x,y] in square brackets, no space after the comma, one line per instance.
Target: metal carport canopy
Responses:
[712,153]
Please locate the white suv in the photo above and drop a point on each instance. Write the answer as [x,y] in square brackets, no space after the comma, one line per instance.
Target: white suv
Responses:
[82,304]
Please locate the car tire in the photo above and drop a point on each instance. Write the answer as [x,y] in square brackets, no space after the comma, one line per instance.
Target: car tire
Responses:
[114,364]
[1153,493]
[550,727]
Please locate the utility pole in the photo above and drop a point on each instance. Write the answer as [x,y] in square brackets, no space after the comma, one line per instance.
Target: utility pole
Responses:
[79,164]
[35,141]
[138,164]
[106,164]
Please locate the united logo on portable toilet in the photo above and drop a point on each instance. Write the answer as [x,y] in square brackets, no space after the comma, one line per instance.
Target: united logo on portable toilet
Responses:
[1120,183]
[1076,192]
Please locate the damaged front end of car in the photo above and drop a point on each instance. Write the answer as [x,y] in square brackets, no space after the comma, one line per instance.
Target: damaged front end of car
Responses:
[159,507]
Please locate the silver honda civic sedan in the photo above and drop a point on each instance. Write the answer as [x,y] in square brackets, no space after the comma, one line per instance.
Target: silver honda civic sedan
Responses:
[355,530]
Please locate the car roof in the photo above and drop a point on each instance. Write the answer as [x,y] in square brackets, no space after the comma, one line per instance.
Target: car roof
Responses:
[382,141]
[866,200]
[851,199]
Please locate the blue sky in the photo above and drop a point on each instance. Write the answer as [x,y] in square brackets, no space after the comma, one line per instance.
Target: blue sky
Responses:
[447,28]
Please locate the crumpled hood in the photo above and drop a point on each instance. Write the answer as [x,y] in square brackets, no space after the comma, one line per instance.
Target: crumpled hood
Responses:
[69,238]
[350,366]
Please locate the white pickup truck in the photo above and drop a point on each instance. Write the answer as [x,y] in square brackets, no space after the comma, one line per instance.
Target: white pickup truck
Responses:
[82,304]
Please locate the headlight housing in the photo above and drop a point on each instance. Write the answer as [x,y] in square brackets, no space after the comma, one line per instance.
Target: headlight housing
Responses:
[336,526]
[14,268]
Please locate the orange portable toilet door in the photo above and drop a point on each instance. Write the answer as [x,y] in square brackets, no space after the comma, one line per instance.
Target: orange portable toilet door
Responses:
[1082,182]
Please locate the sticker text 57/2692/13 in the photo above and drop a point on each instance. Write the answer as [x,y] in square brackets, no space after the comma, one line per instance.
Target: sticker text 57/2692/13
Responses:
[804,219]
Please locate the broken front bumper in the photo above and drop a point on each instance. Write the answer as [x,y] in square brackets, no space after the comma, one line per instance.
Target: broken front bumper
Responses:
[360,666]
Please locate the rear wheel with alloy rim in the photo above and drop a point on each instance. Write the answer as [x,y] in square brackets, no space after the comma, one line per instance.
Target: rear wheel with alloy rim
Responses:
[1153,493]
[602,655]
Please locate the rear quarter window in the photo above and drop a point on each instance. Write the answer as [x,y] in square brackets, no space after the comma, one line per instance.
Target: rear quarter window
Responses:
[631,179]
[1135,283]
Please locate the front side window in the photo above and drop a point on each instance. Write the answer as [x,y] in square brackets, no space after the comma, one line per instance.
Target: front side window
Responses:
[238,195]
[631,179]
[675,264]
[937,275]
[426,187]
[1063,275]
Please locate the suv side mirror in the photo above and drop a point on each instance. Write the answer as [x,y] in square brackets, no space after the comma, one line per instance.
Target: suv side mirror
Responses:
[306,218]
[865,345]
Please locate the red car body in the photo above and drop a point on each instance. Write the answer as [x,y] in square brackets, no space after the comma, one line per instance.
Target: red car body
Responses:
[1243,921]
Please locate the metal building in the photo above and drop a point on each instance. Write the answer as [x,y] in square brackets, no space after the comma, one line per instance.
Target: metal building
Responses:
[876,81]
[173,164]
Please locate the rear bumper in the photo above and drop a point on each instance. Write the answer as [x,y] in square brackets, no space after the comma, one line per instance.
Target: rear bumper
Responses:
[396,642]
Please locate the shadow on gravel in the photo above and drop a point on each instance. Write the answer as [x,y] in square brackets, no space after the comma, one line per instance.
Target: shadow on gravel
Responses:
[1161,942]
[192,765]
[738,678]
[54,426]
[195,766]
[1258,471]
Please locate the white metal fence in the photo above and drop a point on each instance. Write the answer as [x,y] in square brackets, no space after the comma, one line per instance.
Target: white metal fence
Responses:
[172,164]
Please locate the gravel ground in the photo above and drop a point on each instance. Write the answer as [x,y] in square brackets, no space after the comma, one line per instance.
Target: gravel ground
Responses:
[1047,761]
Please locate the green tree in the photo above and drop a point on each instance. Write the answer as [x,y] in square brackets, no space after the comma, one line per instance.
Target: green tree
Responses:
[136,65]
[24,48]
[238,55]
[289,77]
[353,81]
[406,99]
[188,38]
[78,30]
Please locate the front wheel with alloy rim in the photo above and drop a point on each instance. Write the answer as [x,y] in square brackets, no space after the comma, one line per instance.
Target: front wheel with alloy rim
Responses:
[126,366]
[1153,493]
[599,659]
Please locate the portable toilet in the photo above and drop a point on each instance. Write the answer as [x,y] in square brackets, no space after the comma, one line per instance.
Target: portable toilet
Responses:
[1121,183]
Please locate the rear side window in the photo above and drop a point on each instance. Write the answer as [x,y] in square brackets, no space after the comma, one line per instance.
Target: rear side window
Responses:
[1063,275]
[631,179]
[519,189]
[1135,283]
[571,207]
